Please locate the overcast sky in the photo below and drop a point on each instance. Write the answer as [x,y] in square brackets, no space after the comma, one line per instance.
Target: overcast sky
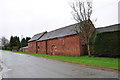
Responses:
[29,17]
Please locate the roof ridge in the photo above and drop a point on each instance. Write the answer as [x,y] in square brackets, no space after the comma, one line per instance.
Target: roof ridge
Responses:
[63,27]
[37,36]
[40,33]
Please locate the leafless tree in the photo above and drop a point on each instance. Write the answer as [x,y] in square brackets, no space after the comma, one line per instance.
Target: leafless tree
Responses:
[81,12]
[4,41]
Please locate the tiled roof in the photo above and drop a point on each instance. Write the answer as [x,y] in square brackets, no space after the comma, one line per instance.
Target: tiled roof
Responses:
[37,36]
[61,32]
[71,30]
[24,47]
[108,28]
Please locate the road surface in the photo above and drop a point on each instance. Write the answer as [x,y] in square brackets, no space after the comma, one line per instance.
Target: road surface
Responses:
[1,67]
[17,65]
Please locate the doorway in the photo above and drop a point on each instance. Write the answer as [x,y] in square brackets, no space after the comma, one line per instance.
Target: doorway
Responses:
[54,49]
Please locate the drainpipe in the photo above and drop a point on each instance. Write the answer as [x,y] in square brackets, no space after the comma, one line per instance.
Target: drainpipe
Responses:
[80,46]
[36,47]
[46,47]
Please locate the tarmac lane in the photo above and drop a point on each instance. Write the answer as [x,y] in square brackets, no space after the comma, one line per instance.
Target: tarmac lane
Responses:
[1,66]
[17,65]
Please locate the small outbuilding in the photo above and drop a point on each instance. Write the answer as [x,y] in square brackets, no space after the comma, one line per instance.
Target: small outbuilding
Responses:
[24,49]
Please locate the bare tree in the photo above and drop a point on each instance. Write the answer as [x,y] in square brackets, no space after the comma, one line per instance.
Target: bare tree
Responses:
[4,41]
[81,12]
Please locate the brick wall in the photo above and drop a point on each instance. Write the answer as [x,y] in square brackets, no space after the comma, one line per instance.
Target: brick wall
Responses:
[32,47]
[41,47]
[68,46]
[24,50]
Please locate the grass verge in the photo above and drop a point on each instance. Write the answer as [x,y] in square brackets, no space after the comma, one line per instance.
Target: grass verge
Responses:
[109,63]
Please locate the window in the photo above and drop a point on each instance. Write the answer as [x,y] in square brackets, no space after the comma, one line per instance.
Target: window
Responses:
[38,47]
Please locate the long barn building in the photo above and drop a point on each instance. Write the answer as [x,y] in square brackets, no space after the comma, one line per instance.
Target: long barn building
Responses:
[62,41]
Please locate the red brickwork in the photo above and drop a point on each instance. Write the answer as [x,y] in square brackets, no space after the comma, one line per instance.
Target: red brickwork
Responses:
[32,47]
[41,47]
[24,49]
[68,46]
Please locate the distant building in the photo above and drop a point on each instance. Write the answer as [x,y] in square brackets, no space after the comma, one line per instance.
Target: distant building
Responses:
[24,49]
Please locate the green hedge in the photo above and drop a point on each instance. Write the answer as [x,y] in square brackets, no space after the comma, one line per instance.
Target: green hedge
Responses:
[107,44]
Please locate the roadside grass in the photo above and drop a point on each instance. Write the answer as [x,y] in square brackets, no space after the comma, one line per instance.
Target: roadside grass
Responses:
[109,63]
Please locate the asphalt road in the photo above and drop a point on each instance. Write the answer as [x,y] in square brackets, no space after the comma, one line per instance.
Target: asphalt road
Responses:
[17,65]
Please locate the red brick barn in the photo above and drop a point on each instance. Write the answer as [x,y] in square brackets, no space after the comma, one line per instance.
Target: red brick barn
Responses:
[63,41]
[32,43]
[24,49]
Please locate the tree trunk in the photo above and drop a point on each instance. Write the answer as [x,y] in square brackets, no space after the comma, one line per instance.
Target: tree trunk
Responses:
[88,47]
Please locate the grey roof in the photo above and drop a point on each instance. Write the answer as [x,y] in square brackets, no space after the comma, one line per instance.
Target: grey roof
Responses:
[108,28]
[61,32]
[37,36]
[24,47]
[71,30]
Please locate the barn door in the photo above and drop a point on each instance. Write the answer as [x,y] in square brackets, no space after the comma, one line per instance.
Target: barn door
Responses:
[54,50]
